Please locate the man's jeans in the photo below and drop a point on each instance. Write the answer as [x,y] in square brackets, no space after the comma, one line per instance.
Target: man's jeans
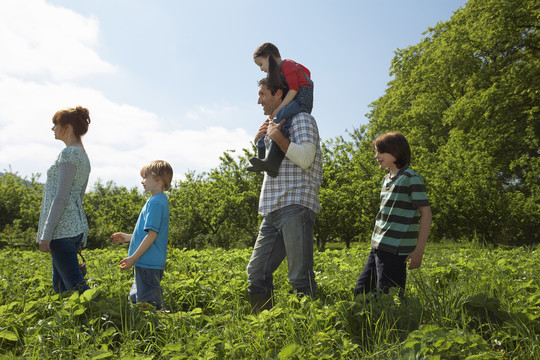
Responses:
[66,272]
[285,232]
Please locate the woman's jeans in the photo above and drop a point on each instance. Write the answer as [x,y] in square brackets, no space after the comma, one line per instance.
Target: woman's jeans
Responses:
[286,232]
[65,265]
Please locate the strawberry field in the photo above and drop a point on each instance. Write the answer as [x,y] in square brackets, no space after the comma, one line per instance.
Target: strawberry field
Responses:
[466,302]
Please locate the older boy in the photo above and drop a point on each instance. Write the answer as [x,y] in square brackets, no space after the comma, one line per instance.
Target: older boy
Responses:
[148,243]
[402,224]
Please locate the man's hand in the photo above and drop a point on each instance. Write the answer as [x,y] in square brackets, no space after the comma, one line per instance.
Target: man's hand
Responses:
[274,130]
[262,131]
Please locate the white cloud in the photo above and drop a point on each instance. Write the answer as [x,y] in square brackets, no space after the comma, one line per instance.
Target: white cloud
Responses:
[38,39]
[210,111]
[46,51]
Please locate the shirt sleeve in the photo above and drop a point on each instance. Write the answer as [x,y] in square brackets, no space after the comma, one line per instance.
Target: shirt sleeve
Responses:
[153,216]
[302,154]
[66,174]
[304,129]
[418,192]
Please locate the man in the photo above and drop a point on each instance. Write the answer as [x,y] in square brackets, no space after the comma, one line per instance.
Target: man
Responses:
[289,204]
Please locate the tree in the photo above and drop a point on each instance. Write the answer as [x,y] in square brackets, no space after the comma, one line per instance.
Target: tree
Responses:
[349,192]
[218,208]
[20,201]
[468,99]
[111,208]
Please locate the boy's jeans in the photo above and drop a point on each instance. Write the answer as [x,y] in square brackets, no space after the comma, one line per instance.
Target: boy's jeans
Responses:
[285,232]
[66,272]
[381,272]
[147,287]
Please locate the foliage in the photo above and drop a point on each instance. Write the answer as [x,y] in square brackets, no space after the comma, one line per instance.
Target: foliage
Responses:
[218,208]
[468,99]
[110,208]
[20,201]
[349,194]
[456,308]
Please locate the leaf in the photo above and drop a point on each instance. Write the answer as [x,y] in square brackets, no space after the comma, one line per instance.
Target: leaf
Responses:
[90,295]
[102,354]
[79,311]
[8,335]
[289,350]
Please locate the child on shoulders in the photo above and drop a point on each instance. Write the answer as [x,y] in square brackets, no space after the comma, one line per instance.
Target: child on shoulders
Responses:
[299,99]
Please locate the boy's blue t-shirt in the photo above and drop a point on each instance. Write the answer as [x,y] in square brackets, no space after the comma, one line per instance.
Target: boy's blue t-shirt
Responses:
[153,216]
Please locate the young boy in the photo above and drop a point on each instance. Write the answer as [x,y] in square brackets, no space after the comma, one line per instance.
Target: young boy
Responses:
[403,222]
[148,243]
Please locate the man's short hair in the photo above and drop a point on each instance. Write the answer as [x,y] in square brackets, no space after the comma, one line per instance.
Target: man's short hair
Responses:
[284,88]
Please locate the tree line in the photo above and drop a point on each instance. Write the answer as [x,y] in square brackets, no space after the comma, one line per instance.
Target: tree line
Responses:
[467,97]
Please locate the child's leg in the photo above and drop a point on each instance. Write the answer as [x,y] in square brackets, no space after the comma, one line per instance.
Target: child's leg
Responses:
[261,154]
[260,144]
[147,287]
[391,271]
[368,278]
[271,163]
[302,102]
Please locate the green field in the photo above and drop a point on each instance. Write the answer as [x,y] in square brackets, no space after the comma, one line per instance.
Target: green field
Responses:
[466,301]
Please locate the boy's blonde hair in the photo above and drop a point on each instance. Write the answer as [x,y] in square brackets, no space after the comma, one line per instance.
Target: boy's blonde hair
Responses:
[159,169]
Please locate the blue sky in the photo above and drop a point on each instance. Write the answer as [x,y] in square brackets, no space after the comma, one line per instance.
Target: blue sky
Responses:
[175,80]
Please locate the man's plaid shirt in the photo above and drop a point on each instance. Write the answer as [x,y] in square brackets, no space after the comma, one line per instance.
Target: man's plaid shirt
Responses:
[293,185]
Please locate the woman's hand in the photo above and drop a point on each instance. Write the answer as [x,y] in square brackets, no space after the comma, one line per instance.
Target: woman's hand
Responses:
[44,246]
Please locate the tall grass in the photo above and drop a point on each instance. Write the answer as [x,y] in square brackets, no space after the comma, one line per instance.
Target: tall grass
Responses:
[465,301]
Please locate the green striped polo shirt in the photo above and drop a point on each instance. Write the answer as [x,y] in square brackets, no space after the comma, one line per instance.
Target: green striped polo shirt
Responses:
[396,225]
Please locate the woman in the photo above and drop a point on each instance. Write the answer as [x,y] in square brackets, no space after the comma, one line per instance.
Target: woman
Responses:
[62,222]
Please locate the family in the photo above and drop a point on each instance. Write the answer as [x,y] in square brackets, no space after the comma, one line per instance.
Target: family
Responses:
[289,152]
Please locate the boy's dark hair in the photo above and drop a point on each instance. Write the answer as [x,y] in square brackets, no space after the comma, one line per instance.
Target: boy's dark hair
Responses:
[159,169]
[270,51]
[396,144]
[284,88]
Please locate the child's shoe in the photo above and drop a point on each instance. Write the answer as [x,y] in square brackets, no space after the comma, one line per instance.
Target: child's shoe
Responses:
[261,153]
[272,161]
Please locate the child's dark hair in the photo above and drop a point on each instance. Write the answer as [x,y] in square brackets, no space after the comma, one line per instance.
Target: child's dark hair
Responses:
[78,117]
[396,144]
[270,51]
[159,169]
